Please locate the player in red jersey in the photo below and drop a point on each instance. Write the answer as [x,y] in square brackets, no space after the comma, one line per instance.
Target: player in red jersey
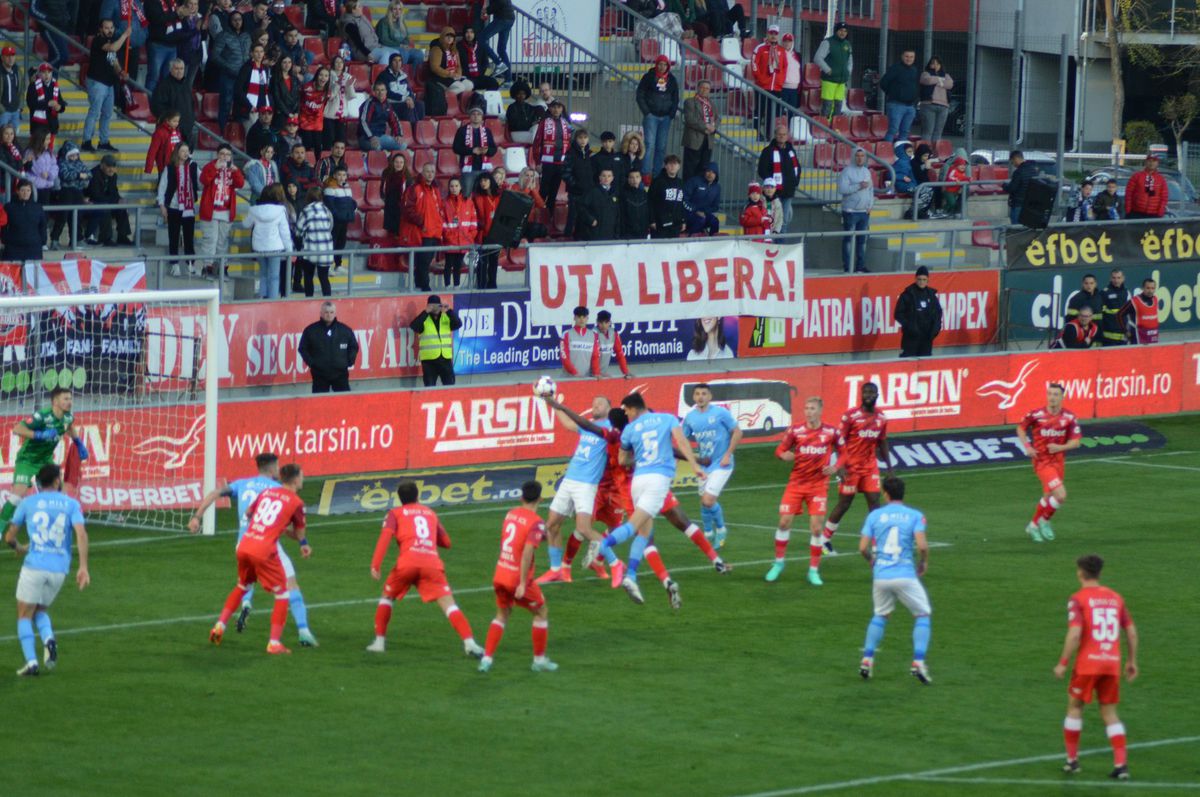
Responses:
[276,511]
[809,447]
[1047,434]
[1095,617]
[419,533]
[520,534]
[862,442]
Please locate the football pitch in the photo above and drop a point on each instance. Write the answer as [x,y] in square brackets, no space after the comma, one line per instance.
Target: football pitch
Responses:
[750,689]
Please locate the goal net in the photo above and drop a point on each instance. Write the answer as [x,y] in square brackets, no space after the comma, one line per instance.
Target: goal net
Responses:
[143,386]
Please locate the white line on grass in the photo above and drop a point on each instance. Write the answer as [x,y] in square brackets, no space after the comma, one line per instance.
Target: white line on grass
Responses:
[1151,465]
[359,601]
[1064,781]
[935,773]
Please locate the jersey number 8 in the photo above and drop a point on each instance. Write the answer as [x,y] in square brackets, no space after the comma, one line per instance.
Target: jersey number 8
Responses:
[421,526]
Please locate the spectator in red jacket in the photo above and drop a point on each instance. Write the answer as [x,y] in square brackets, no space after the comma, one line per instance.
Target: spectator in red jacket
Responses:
[768,67]
[461,228]
[486,198]
[1146,193]
[423,208]
[755,218]
[166,137]
[220,181]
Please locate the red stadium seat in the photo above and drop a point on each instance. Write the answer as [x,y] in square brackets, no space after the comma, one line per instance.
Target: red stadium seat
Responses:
[355,169]
[514,260]
[740,103]
[649,50]
[984,236]
[823,156]
[812,102]
[712,48]
[436,19]
[842,154]
[316,49]
[841,125]
[371,200]
[944,149]
[425,133]
[498,130]
[860,128]
[422,157]
[377,161]
[355,231]
[748,46]
[460,18]
[362,77]
[373,224]
[210,106]
[295,15]
[447,163]
[856,99]
[810,78]
[879,125]
[445,132]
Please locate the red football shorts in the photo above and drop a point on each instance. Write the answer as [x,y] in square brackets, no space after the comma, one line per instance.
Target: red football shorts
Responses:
[429,581]
[1050,475]
[532,600]
[1106,687]
[859,482]
[267,572]
[669,504]
[796,496]
[611,507]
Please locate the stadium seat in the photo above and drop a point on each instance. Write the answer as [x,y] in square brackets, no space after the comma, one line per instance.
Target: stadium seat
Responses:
[811,78]
[425,133]
[446,129]
[841,125]
[436,19]
[377,161]
[842,154]
[376,71]
[210,106]
[295,15]
[712,48]
[812,102]
[142,112]
[460,18]
[463,104]
[362,77]
[860,128]
[355,169]
[748,46]
[447,163]
[498,130]
[373,223]
[332,45]
[12,17]
[371,197]
[944,149]
[823,156]
[355,231]
[879,125]
[513,260]
[983,235]
[358,191]
[235,134]
[610,22]
[692,73]
[316,49]
[421,157]
[649,50]
[856,99]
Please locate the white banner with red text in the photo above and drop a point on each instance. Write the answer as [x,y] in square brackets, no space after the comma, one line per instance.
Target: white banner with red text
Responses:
[661,280]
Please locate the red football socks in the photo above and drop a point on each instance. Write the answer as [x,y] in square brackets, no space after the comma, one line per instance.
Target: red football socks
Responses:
[459,621]
[1072,727]
[573,544]
[541,631]
[656,564]
[698,539]
[231,604]
[383,616]
[495,634]
[279,616]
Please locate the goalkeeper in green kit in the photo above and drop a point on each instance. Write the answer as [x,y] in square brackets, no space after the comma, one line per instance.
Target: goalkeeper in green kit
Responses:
[39,434]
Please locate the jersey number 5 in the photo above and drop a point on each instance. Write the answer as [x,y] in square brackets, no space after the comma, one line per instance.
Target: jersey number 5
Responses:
[1105,626]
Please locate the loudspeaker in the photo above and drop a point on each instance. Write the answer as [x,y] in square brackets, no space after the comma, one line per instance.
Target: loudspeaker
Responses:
[1039,203]
[509,221]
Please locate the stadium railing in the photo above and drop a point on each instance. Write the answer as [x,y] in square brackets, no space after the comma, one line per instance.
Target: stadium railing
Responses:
[135,224]
[926,188]
[734,80]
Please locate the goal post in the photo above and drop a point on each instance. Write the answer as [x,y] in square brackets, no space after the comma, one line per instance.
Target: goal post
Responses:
[143,368]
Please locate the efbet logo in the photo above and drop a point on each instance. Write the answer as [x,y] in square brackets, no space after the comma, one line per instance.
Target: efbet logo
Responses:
[1008,392]
[919,394]
[1174,244]
[176,451]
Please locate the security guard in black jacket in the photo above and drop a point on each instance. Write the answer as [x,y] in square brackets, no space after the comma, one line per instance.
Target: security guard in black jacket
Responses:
[919,314]
[1116,311]
[329,349]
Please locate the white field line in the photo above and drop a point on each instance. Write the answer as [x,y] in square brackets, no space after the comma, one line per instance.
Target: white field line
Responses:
[937,773]
[1151,465]
[359,601]
[1065,781]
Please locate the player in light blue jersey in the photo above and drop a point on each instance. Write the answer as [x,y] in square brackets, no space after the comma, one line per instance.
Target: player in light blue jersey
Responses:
[51,519]
[648,443]
[244,491]
[717,435]
[889,536]
[576,494]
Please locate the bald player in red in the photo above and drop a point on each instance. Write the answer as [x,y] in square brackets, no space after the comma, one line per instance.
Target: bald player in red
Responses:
[1096,616]
[520,534]
[276,511]
[809,446]
[1046,434]
[419,533]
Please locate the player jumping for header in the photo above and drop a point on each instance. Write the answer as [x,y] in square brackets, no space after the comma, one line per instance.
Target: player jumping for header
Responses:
[39,434]
[809,446]
[717,435]
[1096,616]
[862,442]
[275,512]
[1046,434]
[513,582]
[245,491]
[50,518]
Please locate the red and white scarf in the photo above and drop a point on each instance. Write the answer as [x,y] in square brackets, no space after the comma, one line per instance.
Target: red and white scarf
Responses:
[339,83]
[475,137]
[268,175]
[450,64]
[40,115]
[129,10]
[777,164]
[223,187]
[183,187]
[173,139]
[706,110]
[256,87]
[554,139]
[472,50]
[14,152]
[330,7]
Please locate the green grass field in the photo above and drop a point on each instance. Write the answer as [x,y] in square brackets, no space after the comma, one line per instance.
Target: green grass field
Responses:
[752,688]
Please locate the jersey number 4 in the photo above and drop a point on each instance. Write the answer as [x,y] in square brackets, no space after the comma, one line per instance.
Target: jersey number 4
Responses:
[891,544]
[1105,625]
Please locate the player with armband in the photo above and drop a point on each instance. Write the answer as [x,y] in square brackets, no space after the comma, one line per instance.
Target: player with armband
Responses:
[245,491]
[39,435]
[275,512]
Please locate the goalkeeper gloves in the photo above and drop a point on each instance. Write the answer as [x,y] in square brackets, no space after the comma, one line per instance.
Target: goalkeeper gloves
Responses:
[83,452]
[46,436]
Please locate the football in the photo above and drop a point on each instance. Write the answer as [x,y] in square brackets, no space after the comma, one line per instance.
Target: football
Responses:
[544,387]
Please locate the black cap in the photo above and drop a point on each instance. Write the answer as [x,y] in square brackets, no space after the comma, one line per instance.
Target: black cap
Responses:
[603,315]
[840,26]
[581,310]
[922,271]
[434,299]
[555,102]
[608,135]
